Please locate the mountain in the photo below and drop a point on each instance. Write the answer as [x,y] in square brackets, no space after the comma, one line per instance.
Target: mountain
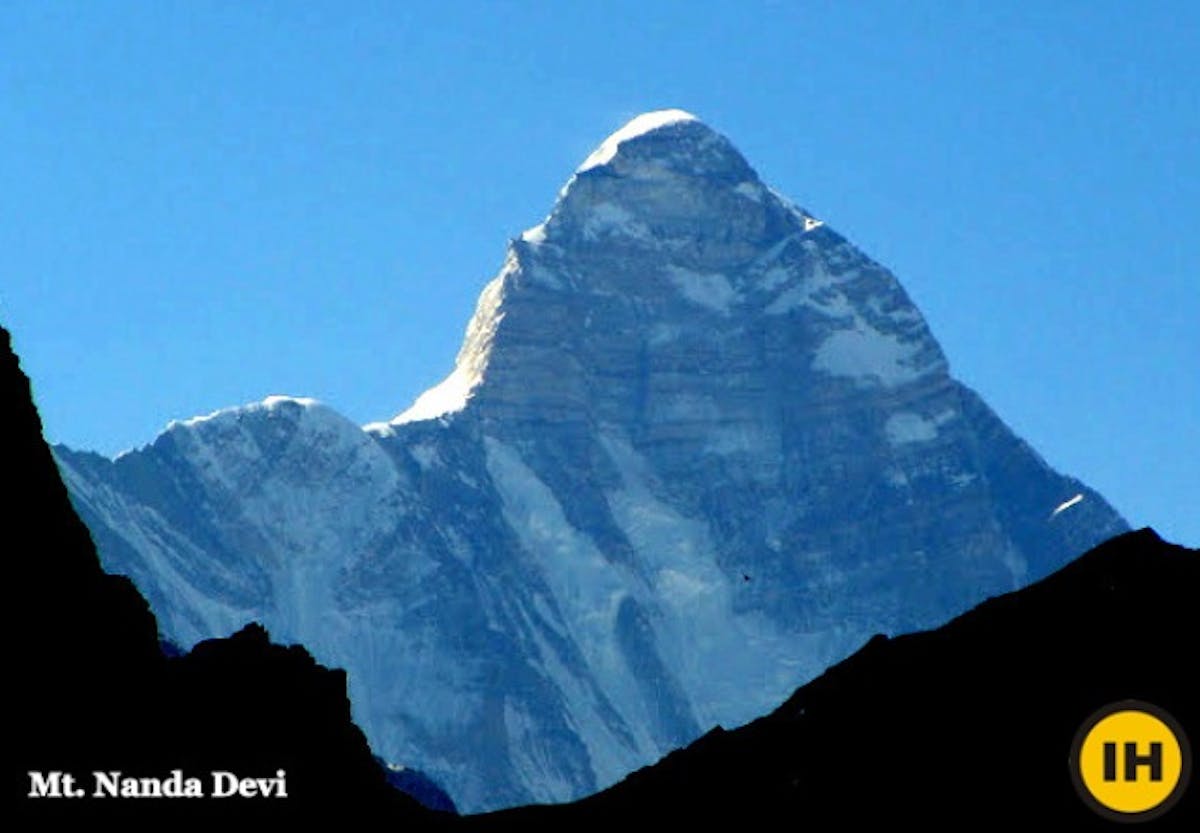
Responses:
[89,690]
[695,448]
[967,727]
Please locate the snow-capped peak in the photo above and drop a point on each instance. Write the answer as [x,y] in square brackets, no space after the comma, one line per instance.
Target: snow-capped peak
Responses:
[635,502]
[639,126]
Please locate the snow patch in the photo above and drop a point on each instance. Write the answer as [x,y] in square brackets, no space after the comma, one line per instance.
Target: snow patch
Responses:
[750,190]
[867,356]
[818,290]
[788,300]
[1066,504]
[447,397]
[582,580]
[732,665]
[270,403]
[907,427]
[609,219]
[587,588]
[426,455]
[380,429]
[640,126]
[277,401]
[542,276]
[710,290]
[535,235]
[806,220]
[1017,566]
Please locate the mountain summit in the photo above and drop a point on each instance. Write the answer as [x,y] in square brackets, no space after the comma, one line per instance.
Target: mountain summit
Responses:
[713,246]
[696,446]
[664,141]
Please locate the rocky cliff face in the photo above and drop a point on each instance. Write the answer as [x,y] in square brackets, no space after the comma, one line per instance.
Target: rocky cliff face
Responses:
[696,447]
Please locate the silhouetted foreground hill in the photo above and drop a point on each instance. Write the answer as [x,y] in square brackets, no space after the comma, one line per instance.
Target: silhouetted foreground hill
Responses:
[967,726]
[91,691]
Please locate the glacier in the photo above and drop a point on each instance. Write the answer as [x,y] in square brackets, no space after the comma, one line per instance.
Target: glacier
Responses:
[696,446]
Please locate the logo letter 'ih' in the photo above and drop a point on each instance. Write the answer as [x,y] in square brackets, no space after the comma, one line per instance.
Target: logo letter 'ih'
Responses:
[1133,760]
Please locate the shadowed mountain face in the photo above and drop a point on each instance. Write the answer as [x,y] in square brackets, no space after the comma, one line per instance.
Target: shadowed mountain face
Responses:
[695,448]
[969,725]
[89,689]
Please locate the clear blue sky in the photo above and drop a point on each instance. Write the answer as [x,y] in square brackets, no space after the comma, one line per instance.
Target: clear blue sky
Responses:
[203,203]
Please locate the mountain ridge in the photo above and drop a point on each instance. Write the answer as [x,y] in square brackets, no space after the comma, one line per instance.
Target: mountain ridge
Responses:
[92,690]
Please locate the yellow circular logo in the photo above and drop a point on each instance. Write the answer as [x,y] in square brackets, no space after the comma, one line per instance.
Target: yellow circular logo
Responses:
[1130,761]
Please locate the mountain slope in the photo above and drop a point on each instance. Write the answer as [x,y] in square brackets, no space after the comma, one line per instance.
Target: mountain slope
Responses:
[89,689]
[969,725]
[696,447]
